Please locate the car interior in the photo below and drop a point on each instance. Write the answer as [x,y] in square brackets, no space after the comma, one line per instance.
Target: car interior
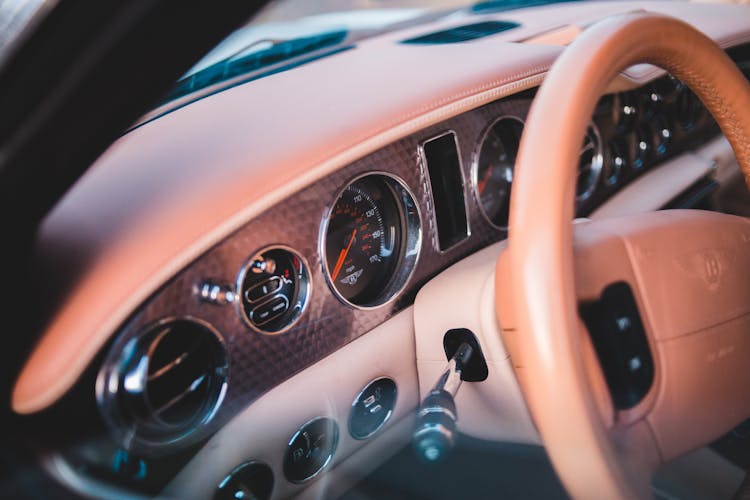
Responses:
[384,250]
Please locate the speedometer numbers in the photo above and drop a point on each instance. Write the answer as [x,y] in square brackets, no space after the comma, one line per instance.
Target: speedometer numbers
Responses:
[371,240]
[359,249]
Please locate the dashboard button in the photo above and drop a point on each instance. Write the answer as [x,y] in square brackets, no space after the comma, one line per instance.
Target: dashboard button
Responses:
[262,290]
[269,310]
[372,408]
[251,480]
[311,449]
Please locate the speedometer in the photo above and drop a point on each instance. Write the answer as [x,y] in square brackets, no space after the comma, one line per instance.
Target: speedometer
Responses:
[371,240]
[492,174]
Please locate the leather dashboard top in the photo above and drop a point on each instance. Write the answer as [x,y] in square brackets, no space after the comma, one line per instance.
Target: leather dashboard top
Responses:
[122,232]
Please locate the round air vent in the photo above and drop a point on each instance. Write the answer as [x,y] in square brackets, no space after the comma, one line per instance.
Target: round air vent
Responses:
[164,385]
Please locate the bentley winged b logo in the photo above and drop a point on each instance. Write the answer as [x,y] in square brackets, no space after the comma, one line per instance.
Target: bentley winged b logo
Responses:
[711,269]
[709,265]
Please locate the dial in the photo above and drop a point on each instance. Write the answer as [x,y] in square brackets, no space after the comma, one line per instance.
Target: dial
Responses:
[612,169]
[371,240]
[359,248]
[662,130]
[273,288]
[625,111]
[493,169]
[310,449]
[652,101]
[641,140]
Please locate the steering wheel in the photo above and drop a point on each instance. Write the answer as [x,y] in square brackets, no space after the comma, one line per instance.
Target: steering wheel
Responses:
[688,270]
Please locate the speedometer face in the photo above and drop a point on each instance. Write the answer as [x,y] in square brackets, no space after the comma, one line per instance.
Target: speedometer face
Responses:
[493,174]
[359,248]
[369,233]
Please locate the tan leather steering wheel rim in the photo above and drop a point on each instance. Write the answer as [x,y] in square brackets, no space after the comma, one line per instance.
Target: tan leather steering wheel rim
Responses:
[536,275]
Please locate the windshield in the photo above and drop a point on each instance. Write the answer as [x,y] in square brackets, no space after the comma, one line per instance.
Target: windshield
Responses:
[288,33]
[287,19]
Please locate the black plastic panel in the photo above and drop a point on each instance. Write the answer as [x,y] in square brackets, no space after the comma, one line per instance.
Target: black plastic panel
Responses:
[476,369]
[735,445]
[619,338]
[447,186]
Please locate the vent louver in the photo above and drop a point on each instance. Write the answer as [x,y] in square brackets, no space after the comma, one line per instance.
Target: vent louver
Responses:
[462,33]
[167,384]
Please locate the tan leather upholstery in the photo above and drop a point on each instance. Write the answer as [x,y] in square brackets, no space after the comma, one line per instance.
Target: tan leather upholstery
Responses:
[536,277]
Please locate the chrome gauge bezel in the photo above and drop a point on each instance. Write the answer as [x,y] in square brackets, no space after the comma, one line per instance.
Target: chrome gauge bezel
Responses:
[305,281]
[411,248]
[597,162]
[474,174]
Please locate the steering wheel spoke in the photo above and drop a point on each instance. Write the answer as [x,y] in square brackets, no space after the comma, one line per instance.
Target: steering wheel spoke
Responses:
[688,272]
[693,275]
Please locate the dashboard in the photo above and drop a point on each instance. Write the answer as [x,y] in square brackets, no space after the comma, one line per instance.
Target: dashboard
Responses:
[326,265]
[339,258]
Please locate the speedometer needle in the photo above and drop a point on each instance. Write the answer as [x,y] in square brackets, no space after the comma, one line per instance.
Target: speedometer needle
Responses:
[342,256]
[483,181]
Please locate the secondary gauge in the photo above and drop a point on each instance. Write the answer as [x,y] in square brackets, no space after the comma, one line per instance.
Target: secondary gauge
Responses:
[273,289]
[492,173]
[371,239]
[589,164]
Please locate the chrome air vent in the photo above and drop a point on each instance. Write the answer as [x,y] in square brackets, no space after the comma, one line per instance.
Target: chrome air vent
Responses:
[163,386]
